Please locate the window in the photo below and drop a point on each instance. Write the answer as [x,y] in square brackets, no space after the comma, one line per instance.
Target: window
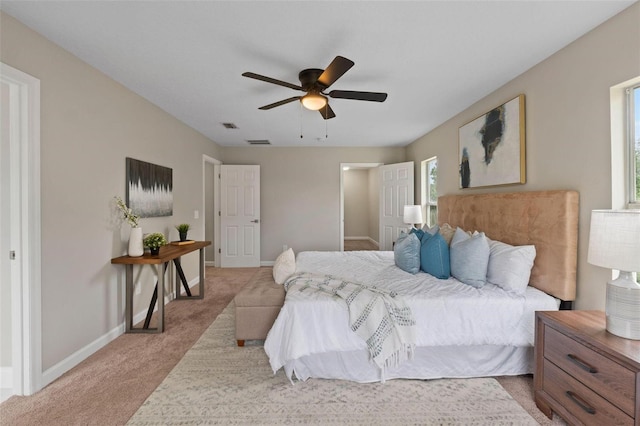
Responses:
[633,108]
[429,196]
[633,138]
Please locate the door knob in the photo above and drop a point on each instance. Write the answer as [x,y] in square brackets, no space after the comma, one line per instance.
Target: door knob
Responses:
[256,221]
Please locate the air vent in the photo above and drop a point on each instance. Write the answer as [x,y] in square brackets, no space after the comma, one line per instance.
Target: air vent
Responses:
[229,126]
[258,142]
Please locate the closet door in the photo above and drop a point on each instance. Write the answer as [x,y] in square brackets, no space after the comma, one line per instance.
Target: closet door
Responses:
[239,216]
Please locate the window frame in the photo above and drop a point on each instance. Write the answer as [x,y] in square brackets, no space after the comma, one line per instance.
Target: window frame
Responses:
[425,198]
[633,201]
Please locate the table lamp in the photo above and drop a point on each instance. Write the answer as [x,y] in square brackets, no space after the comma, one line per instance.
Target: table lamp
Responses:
[614,242]
[413,215]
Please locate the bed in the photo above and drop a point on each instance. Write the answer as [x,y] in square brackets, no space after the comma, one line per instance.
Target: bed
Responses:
[460,331]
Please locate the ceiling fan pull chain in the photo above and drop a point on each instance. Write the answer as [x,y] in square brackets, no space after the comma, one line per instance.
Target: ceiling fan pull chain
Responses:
[300,120]
[326,124]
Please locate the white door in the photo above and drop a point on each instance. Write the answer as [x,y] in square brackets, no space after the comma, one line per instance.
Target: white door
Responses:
[239,216]
[396,191]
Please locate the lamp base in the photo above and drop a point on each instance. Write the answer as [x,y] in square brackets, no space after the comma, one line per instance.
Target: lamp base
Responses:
[623,307]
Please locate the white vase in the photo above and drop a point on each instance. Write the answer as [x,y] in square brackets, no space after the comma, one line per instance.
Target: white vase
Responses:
[135,242]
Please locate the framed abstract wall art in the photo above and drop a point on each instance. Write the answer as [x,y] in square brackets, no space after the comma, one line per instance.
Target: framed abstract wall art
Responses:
[491,148]
[149,189]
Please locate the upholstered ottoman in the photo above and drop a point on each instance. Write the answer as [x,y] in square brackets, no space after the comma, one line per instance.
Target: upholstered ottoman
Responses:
[257,306]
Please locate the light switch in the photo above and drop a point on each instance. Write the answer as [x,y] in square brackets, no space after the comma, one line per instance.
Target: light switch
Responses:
[196,214]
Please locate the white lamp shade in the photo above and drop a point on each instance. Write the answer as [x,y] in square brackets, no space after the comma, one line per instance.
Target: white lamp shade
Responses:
[614,239]
[412,214]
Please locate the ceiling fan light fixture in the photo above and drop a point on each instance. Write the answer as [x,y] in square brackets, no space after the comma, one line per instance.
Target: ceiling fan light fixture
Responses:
[314,101]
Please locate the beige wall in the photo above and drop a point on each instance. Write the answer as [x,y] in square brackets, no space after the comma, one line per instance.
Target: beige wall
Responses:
[356,202]
[89,124]
[568,142]
[300,198]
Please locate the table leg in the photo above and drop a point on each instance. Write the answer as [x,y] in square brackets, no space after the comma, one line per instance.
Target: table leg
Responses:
[160,328]
[154,297]
[128,304]
[202,273]
[183,279]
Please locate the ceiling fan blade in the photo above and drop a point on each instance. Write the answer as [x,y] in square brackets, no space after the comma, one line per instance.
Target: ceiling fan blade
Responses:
[271,80]
[358,96]
[282,102]
[335,70]
[327,112]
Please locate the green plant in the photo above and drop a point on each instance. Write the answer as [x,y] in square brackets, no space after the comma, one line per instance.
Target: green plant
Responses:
[154,240]
[127,213]
[183,227]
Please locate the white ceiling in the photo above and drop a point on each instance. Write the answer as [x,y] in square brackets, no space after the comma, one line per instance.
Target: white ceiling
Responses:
[433,58]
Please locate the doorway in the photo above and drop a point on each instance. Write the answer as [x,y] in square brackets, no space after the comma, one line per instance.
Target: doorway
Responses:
[21,354]
[359,201]
[211,203]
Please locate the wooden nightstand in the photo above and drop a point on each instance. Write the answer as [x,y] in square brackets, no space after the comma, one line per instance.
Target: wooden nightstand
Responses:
[583,373]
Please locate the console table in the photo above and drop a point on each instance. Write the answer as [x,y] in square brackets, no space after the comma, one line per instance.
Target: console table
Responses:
[161,261]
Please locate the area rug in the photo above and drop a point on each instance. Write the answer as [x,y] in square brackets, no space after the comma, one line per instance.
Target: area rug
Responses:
[219,383]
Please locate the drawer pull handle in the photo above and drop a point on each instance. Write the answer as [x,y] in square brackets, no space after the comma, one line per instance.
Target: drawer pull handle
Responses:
[582,364]
[581,402]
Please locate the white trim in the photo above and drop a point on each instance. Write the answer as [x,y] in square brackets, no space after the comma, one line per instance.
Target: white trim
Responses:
[80,355]
[630,139]
[216,205]
[267,262]
[425,189]
[371,240]
[85,352]
[27,356]
[6,383]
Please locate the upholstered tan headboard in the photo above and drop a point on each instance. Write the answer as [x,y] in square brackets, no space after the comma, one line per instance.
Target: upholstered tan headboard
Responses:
[546,219]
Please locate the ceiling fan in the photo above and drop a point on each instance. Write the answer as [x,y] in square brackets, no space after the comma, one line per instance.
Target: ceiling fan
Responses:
[315,81]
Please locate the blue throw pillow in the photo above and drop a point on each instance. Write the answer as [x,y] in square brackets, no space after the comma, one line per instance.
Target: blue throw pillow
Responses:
[406,253]
[419,232]
[434,256]
[470,258]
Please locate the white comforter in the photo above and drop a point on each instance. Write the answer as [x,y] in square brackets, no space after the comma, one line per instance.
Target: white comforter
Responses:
[447,312]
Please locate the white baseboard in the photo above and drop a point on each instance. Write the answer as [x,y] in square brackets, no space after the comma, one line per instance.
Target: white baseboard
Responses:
[209,263]
[80,355]
[267,262]
[363,238]
[6,383]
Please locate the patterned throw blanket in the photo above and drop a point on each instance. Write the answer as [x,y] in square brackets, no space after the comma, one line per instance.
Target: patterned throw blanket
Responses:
[379,317]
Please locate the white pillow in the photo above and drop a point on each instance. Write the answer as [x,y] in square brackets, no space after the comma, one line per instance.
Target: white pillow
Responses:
[284,266]
[510,266]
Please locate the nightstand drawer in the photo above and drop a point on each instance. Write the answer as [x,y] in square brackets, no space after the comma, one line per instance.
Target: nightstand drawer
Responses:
[613,381]
[583,403]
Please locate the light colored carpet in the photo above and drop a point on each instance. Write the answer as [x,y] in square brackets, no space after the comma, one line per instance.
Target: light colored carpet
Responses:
[108,387]
[219,383]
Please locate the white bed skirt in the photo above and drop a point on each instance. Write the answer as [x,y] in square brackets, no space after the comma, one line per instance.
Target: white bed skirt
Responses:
[429,363]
